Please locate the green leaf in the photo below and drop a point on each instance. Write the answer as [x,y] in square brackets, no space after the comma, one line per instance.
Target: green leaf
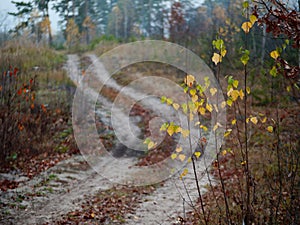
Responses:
[200,88]
[174,156]
[245,4]
[245,57]
[273,71]
[163,99]
[169,101]
[230,80]
[184,107]
[164,126]
[219,44]
[270,129]
[253,19]
[147,141]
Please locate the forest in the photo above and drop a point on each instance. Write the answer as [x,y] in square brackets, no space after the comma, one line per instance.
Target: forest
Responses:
[150,112]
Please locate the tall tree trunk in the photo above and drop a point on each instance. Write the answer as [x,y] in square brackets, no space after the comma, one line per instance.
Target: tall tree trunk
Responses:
[263,45]
[125,23]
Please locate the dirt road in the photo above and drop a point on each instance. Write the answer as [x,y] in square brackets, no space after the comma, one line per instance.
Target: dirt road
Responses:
[65,186]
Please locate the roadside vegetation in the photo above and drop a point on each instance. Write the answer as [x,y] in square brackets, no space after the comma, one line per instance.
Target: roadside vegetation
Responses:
[36,97]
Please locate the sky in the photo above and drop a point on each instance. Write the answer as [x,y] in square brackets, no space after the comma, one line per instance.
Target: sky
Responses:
[6,6]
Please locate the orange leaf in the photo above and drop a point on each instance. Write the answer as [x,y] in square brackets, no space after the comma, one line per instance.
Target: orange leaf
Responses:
[20,126]
[20,91]
[43,108]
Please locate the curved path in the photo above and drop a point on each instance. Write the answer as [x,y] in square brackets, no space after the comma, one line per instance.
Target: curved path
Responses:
[63,187]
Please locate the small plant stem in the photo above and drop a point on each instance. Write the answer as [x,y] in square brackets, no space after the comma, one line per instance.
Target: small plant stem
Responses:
[224,192]
[194,168]
[218,163]
[248,206]
[279,163]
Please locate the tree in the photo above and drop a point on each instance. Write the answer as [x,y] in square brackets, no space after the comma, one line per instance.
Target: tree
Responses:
[43,6]
[24,11]
[88,28]
[72,33]
[177,23]
[114,22]
[121,19]
[100,16]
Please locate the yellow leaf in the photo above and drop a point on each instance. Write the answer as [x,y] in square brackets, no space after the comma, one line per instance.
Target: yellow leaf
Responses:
[171,129]
[176,106]
[274,54]
[197,123]
[209,107]
[197,154]
[234,94]
[216,58]
[202,110]
[185,133]
[247,120]
[248,90]
[223,53]
[229,102]
[243,162]
[270,129]
[235,83]
[264,120]
[193,92]
[203,127]
[182,157]
[216,108]
[213,91]
[241,94]
[227,132]
[253,19]
[223,104]
[179,149]
[288,88]
[169,101]
[215,127]
[246,26]
[201,102]
[229,92]
[254,120]
[189,80]
[233,122]
[92,215]
[191,116]
[184,173]
[195,98]
[178,129]
[224,152]
[189,160]
[174,156]
[151,145]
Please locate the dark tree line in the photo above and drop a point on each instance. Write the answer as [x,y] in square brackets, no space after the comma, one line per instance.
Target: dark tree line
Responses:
[179,21]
